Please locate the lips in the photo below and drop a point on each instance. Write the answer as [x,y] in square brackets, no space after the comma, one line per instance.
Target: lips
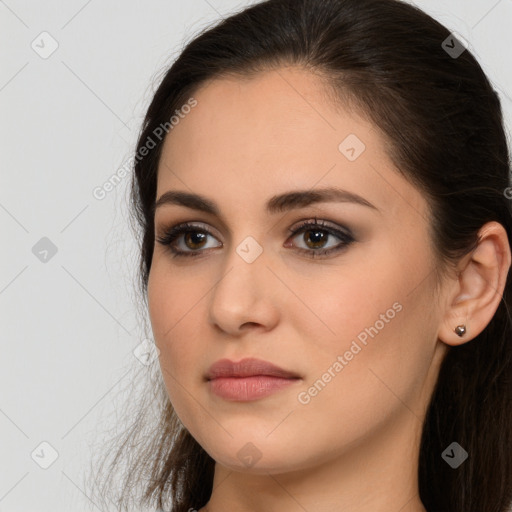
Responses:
[248,367]
[248,380]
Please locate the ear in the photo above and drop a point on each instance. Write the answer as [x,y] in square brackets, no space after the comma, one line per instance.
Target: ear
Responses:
[477,292]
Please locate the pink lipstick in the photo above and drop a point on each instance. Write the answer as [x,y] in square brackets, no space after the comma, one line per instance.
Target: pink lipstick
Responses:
[248,379]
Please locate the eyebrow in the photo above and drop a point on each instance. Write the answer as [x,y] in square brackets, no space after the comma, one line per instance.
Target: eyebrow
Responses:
[276,204]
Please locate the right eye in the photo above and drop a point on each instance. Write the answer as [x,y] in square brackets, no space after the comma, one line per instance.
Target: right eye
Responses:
[195,237]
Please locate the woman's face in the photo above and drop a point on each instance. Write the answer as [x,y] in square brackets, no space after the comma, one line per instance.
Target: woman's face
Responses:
[358,325]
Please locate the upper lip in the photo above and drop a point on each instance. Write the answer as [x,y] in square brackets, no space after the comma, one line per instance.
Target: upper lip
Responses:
[248,367]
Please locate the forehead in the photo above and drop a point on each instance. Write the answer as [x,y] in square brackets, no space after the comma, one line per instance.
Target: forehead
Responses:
[274,132]
[271,116]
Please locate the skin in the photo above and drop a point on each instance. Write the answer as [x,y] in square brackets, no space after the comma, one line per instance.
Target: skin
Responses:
[355,445]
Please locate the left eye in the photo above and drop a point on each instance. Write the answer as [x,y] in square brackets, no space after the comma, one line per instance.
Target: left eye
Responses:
[317,233]
[314,237]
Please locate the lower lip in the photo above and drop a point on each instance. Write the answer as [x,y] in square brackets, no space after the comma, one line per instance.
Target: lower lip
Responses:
[244,389]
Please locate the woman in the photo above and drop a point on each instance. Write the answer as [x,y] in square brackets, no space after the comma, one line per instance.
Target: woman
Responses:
[321,188]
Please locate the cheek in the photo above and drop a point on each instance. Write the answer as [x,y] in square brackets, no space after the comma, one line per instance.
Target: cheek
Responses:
[171,298]
[159,303]
[165,310]
[349,398]
[174,307]
[384,331]
[346,303]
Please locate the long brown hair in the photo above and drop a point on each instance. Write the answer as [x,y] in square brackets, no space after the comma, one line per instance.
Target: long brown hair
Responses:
[443,123]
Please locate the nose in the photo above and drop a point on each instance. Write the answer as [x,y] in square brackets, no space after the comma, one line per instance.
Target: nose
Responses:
[245,296]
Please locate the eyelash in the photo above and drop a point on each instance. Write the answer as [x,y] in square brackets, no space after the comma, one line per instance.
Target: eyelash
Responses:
[172,234]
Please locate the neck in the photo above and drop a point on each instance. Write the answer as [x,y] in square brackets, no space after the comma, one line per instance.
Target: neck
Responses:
[368,477]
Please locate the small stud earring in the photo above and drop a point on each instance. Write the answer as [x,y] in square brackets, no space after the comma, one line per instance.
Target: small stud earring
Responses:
[460,330]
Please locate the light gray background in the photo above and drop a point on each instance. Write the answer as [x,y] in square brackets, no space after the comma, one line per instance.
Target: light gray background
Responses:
[68,122]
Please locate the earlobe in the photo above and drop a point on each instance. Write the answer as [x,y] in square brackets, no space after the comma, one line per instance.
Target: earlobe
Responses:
[478,289]
[457,328]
